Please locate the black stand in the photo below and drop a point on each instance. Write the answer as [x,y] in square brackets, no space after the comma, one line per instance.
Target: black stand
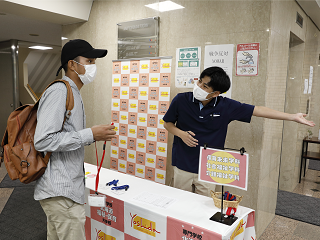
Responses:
[219,216]
[223,218]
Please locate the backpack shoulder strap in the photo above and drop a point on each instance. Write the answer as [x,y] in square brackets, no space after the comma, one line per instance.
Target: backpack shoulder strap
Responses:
[69,106]
[69,101]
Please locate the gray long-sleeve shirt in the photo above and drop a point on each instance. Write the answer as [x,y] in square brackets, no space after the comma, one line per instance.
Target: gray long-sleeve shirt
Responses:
[64,175]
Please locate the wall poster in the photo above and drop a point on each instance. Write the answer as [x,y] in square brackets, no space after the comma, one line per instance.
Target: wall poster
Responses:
[187,66]
[248,59]
[220,56]
[140,98]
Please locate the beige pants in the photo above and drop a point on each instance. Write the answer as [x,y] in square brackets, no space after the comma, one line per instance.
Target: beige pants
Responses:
[65,218]
[186,180]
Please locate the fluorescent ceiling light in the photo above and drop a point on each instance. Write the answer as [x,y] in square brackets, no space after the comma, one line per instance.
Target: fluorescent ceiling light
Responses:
[63,38]
[164,6]
[40,47]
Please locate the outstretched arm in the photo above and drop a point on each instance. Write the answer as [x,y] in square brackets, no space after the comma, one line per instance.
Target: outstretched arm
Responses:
[260,111]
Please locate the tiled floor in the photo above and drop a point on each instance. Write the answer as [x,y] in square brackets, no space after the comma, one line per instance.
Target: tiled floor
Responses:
[280,227]
[308,183]
[289,229]
[4,192]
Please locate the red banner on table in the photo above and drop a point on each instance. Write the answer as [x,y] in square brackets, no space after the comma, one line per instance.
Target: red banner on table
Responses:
[177,229]
[228,168]
[111,215]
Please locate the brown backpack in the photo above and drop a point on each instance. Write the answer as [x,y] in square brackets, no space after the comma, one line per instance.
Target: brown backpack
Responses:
[20,157]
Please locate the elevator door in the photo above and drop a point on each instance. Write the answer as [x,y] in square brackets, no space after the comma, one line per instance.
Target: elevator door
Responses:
[290,157]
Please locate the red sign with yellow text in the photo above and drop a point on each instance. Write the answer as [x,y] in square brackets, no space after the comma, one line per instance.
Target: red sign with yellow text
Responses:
[228,168]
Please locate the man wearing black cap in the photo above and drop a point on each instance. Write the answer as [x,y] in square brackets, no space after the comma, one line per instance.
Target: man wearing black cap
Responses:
[60,190]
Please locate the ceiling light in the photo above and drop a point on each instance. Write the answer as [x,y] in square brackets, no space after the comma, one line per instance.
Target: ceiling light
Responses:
[40,47]
[164,6]
[64,38]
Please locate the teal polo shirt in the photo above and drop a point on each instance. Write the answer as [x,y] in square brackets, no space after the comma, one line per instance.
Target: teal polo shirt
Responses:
[210,125]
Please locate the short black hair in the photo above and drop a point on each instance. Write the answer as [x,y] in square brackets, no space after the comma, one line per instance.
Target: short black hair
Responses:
[219,79]
[65,66]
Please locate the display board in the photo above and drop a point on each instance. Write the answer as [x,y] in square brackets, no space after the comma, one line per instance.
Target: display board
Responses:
[140,98]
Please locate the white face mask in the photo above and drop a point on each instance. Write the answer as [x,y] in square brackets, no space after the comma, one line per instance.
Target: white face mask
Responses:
[199,93]
[90,74]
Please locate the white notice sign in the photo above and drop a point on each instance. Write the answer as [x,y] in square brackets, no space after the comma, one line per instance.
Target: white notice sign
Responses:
[220,56]
[310,79]
[306,85]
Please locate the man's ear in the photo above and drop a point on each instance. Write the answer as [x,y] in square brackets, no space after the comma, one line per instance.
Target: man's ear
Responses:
[216,94]
[213,95]
[71,65]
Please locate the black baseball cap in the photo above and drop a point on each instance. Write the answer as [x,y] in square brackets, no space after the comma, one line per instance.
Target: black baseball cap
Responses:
[79,47]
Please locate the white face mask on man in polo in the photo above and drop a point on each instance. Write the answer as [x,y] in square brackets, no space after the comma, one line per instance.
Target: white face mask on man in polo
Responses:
[89,75]
[199,93]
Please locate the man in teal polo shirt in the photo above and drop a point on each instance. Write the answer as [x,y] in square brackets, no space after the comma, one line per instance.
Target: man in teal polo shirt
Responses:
[202,116]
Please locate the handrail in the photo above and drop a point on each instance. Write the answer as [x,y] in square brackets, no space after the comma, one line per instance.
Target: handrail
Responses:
[33,93]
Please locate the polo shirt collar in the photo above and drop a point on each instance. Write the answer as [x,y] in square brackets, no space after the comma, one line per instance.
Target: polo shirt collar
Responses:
[211,103]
